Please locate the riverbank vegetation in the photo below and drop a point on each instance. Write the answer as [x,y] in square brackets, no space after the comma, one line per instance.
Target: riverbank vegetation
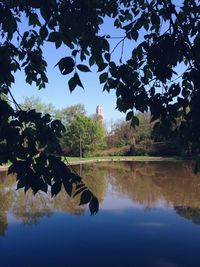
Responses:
[160,76]
[87,136]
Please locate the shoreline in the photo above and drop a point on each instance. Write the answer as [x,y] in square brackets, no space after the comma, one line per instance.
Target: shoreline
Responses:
[123,159]
[76,161]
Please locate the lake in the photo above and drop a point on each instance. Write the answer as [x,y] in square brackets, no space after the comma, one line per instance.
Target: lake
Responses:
[149,216]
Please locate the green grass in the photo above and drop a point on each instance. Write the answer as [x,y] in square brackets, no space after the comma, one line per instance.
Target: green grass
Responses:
[134,158]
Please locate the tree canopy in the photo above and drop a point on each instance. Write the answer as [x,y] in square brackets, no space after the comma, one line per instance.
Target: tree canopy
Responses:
[161,75]
[68,114]
[36,103]
[84,135]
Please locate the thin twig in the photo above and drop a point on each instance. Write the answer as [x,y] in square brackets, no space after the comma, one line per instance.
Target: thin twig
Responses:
[71,167]
[118,45]
[176,78]
[122,51]
[116,37]
[14,101]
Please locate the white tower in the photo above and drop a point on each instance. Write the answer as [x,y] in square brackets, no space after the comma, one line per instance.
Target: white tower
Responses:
[99,112]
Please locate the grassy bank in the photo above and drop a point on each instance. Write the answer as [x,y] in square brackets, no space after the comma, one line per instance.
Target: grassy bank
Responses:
[77,160]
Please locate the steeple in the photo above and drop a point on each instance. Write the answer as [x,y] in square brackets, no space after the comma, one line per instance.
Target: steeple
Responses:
[99,112]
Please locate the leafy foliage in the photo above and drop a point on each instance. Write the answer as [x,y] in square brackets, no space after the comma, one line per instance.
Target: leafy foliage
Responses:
[122,134]
[164,36]
[37,104]
[84,133]
[69,114]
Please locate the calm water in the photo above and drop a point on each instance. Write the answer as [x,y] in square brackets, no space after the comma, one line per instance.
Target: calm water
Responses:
[149,216]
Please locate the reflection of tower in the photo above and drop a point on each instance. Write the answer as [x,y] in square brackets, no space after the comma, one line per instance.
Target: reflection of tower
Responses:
[99,112]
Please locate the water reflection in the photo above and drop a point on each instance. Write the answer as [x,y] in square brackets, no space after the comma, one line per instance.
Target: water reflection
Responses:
[147,184]
[189,213]
[174,184]
[29,209]
[150,209]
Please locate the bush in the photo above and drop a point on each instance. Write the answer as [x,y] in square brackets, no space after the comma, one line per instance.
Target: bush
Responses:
[122,151]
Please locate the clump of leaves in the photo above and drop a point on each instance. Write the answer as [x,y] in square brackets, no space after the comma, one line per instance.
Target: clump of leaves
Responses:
[164,36]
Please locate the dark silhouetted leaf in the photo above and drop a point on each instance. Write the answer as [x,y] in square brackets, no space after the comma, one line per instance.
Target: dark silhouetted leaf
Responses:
[129,115]
[80,190]
[43,32]
[77,80]
[66,65]
[68,187]
[94,205]
[85,197]
[103,77]
[72,84]
[135,121]
[55,189]
[83,68]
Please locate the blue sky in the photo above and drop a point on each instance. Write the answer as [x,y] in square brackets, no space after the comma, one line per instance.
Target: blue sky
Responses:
[57,92]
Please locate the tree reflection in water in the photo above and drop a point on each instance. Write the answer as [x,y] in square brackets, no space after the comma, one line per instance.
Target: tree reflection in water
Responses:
[6,200]
[145,183]
[189,213]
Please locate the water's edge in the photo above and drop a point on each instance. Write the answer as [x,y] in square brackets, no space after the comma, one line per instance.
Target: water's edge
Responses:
[134,159]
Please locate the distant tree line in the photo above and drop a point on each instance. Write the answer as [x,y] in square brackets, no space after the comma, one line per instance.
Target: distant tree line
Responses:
[85,136]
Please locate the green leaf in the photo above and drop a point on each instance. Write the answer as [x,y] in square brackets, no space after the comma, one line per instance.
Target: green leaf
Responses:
[83,68]
[103,77]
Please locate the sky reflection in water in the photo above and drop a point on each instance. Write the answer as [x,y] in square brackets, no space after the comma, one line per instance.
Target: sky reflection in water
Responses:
[149,216]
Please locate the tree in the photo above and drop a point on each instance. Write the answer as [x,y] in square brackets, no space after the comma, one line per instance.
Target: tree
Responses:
[84,135]
[122,134]
[67,115]
[161,75]
[144,130]
[36,103]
